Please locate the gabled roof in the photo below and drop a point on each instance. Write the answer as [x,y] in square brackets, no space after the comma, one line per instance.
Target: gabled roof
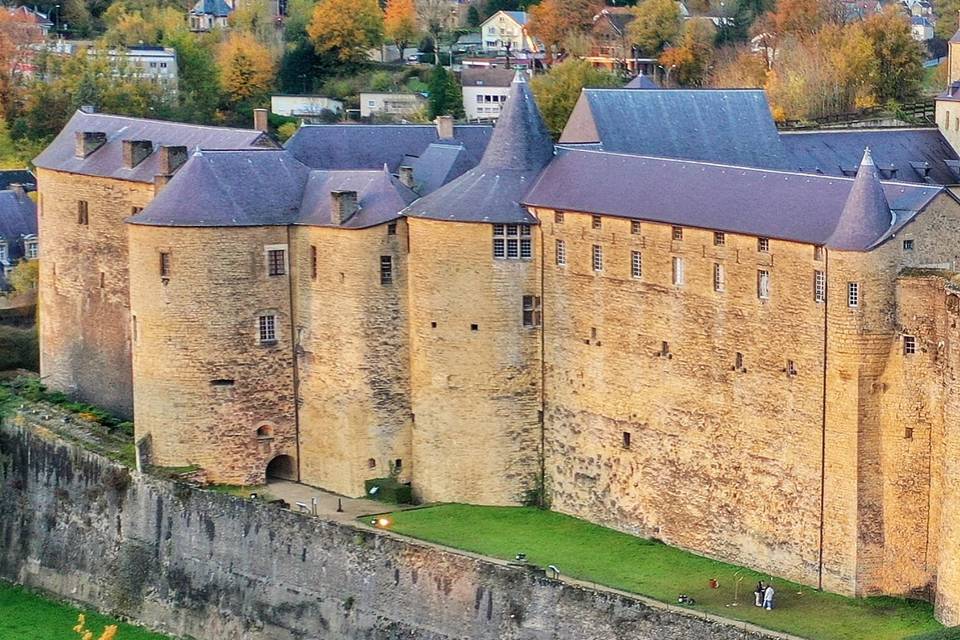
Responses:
[18,216]
[107,161]
[358,146]
[906,155]
[732,126]
[486,77]
[491,192]
[520,17]
[866,215]
[230,188]
[775,204]
[642,82]
[380,197]
[216,8]
[618,17]
[439,164]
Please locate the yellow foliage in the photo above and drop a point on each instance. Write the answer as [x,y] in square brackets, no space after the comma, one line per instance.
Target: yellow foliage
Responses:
[109,632]
[347,27]
[400,22]
[246,67]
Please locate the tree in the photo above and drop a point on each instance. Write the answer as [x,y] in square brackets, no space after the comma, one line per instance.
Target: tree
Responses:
[246,70]
[256,18]
[400,23]
[800,18]
[688,61]
[557,90]
[655,25]
[23,277]
[946,12]
[17,35]
[898,55]
[473,17]
[446,97]
[433,15]
[198,86]
[552,21]
[348,28]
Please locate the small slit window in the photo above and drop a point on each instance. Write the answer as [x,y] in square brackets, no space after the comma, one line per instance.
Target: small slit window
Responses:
[719,277]
[635,227]
[677,271]
[626,439]
[763,284]
[558,217]
[763,245]
[386,270]
[677,233]
[818,253]
[908,245]
[313,262]
[164,264]
[596,222]
[83,212]
[719,239]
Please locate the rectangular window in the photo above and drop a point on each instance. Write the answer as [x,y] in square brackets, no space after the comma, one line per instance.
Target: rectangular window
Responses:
[386,270]
[626,439]
[791,368]
[719,277]
[596,222]
[83,212]
[135,210]
[3,252]
[558,217]
[818,253]
[763,284]
[719,239]
[678,233]
[31,249]
[512,241]
[909,345]
[561,252]
[819,286]
[636,264]
[313,262]
[635,227]
[164,265]
[908,245]
[738,362]
[763,245]
[392,229]
[531,311]
[677,271]
[853,294]
[597,258]
[276,262]
[267,327]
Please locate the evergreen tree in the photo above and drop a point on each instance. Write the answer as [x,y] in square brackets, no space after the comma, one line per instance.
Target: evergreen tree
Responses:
[445,95]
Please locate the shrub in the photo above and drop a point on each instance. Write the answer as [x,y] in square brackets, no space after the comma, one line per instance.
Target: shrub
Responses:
[19,349]
[389,490]
[953,633]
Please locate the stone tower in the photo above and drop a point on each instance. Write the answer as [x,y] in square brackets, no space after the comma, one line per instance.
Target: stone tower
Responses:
[947,104]
[475,335]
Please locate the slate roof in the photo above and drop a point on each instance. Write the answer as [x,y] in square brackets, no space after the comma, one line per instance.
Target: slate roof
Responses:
[439,164]
[775,204]
[732,126]
[258,187]
[492,191]
[486,77]
[217,8]
[519,16]
[230,188]
[18,216]
[18,176]
[358,146]
[380,197]
[866,215]
[952,93]
[901,154]
[107,161]
[642,82]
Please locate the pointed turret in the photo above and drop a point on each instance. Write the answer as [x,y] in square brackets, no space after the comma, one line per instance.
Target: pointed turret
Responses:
[866,216]
[519,149]
[641,82]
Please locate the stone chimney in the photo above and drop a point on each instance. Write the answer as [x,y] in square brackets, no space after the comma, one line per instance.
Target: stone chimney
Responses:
[135,152]
[171,158]
[260,122]
[406,176]
[445,127]
[342,206]
[88,141]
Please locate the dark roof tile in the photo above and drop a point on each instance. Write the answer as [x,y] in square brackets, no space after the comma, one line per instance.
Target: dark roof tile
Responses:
[380,197]
[866,215]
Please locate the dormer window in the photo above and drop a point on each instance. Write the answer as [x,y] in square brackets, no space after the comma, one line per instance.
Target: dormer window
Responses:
[31,249]
[4,255]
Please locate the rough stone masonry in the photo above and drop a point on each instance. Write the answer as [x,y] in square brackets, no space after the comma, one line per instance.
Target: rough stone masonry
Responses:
[211,566]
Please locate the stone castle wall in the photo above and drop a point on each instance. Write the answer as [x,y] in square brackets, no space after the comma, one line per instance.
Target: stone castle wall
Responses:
[84,275]
[196,345]
[212,566]
[353,356]
[475,369]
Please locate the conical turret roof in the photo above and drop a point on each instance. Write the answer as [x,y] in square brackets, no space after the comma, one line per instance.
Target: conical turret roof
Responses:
[519,149]
[641,82]
[866,216]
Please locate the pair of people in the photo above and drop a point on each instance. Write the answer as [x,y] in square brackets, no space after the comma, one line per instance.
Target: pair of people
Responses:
[763,595]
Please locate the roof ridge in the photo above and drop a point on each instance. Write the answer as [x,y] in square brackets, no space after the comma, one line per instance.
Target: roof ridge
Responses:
[173,122]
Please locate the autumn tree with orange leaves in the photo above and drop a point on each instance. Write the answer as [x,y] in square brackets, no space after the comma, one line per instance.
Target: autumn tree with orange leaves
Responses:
[246,69]
[17,33]
[347,28]
[552,21]
[400,23]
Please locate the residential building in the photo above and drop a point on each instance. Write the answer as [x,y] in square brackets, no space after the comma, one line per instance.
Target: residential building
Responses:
[507,30]
[485,90]
[921,28]
[207,15]
[611,47]
[18,230]
[389,104]
[147,62]
[308,107]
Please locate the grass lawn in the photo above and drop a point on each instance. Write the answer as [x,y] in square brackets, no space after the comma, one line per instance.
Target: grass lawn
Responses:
[596,554]
[27,616]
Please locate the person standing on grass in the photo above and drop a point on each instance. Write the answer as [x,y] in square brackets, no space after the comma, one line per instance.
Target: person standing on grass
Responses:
[758,594]
[768,597]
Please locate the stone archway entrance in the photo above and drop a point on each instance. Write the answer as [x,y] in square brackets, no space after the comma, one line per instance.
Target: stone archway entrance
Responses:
[283,468]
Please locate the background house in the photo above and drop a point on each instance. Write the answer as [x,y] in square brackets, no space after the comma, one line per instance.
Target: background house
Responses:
[309,108]
[484,91]
[390,104]
[209,14]
[18,230]
[507,30]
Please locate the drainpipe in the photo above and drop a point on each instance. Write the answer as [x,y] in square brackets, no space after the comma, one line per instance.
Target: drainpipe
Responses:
[294,341]
[823,414]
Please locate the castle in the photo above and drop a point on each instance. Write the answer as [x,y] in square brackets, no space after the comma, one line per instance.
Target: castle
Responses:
[678,322]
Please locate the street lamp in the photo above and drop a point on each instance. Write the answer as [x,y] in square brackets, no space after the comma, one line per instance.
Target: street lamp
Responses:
[56,20]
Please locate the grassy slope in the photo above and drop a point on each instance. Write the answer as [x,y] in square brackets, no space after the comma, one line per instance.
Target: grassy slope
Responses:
[26,616]
[589,552]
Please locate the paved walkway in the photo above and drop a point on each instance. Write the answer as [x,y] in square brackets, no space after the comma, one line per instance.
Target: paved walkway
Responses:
[327,503]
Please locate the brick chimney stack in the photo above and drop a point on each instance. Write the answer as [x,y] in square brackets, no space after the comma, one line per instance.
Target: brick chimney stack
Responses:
[342,206]
[445,127]
[406,176]
[260,121]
